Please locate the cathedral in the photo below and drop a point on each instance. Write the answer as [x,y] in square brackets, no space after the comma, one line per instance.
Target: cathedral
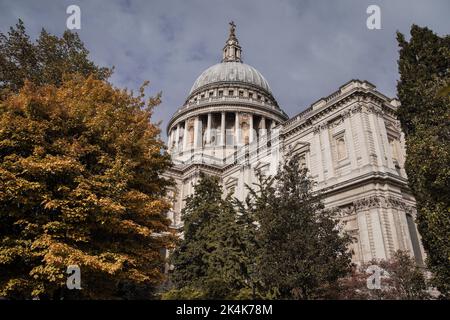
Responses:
[231,126]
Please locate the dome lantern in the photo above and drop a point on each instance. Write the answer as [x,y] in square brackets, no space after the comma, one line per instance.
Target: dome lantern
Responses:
[232,50]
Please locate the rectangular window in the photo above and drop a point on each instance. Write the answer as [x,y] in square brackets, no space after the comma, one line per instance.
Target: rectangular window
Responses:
[231,93]
[220,93]
[250,95]
[241,94]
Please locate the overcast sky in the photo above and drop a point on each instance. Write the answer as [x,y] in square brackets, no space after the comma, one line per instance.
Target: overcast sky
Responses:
[305,49]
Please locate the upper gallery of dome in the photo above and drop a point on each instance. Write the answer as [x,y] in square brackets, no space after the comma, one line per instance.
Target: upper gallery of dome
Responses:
[231,69]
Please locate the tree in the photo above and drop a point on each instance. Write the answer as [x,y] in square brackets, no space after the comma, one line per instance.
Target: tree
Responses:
[424,114]
[43,62]
[301,247]
[81,183]
[401,279]
[209,262]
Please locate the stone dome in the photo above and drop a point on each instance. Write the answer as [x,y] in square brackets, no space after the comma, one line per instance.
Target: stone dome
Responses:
[232,71]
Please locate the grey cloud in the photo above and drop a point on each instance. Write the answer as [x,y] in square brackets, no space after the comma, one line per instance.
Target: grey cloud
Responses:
[305,49]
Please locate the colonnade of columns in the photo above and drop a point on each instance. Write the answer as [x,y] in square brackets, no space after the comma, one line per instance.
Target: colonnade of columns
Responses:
[191,134]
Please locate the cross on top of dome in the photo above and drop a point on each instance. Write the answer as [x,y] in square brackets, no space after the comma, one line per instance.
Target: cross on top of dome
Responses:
[232,50]
[232,29]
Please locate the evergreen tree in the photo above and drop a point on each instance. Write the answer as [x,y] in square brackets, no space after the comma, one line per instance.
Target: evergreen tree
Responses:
[190,258]
[301,248]
[424,114]
[210,260]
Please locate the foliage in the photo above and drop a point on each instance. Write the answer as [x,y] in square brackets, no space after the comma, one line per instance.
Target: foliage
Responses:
[404,280]
[210,259]
[44,62]
[184,293]
[301,247]
[80,183]
[424,66]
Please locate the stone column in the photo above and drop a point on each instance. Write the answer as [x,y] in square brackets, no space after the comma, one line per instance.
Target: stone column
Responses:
[327,154]
[222,129]
[177,136]
[251,136]
[350,142]
[208,130]
[169,139]
[381,155]
[185,134]
[362,138]
[197,132]
[365,236]
[237,130]
[385,142]
[263,126]
[318,150]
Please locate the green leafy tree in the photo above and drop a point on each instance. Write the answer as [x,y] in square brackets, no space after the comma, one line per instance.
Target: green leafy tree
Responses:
[424,67]
[81,183]
[210,261]
[301,247]
[44,62]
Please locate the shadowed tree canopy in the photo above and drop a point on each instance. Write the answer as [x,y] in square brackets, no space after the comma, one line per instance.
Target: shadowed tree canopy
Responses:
[423,89]
[45,61]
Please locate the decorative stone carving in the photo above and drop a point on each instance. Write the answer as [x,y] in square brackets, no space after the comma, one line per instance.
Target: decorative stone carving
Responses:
[316,129]
[357,109]
[374,109]
[346,114]
[392,202]
[346,211]
[368,203]
[410,210]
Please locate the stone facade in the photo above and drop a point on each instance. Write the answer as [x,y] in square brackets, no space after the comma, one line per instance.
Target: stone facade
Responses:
[231,126]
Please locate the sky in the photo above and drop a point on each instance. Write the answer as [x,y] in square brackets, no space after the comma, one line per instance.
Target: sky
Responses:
[305,49]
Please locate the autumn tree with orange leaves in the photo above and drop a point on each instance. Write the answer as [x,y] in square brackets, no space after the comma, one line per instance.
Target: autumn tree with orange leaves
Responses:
[81,183]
